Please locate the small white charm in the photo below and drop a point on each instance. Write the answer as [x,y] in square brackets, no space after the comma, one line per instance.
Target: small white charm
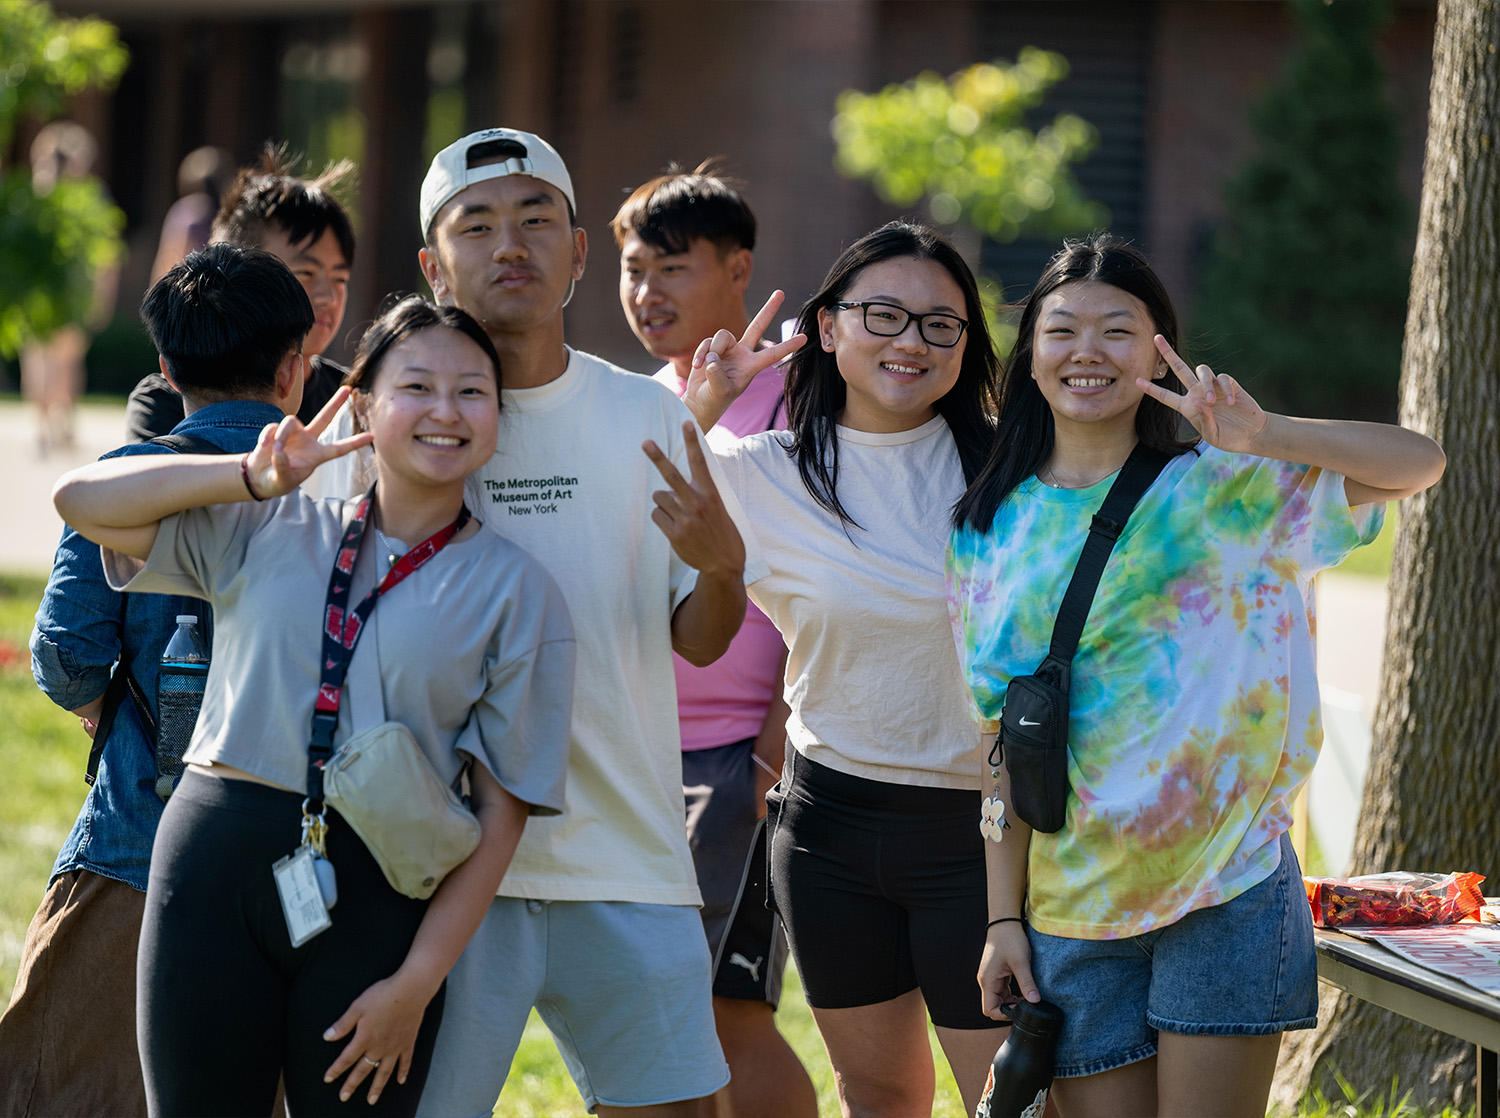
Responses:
[992,818]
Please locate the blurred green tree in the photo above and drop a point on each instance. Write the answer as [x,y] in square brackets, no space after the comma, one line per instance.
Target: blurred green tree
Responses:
[963,143]
[52,241]
[1305,293]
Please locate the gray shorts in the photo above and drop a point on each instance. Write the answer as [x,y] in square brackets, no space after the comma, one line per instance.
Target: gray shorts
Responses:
[623,987]
[728,842]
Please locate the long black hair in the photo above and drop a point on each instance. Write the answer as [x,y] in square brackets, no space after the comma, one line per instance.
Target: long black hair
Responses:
[815,392]
[1024,440]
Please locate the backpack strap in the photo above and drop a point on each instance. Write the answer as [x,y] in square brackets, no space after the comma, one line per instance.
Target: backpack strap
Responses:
[1142,468]
[121,681]
[187,444]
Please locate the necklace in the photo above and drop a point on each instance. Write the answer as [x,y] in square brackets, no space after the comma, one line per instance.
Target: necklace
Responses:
[1055,484]
[393,549]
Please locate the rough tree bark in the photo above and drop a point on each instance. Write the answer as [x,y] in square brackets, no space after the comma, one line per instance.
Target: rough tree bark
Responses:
[1430,800]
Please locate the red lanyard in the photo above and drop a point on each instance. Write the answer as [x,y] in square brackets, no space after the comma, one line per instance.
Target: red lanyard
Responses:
[342,626]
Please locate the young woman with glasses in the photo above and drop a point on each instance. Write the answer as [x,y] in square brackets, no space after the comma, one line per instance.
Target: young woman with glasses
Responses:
[876,861]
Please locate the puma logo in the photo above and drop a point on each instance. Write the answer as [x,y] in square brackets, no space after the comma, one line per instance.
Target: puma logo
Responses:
[754,968]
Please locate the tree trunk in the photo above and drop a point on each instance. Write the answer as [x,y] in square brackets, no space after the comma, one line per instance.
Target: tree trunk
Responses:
[1430,800]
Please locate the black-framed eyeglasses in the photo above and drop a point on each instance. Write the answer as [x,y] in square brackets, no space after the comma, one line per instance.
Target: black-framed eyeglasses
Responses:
[887,320]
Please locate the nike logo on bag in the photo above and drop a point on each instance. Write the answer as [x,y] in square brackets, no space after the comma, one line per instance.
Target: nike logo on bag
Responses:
[1026,723]
[754,968]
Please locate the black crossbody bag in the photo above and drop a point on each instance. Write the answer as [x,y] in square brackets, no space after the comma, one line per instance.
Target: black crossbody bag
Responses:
[1033,739]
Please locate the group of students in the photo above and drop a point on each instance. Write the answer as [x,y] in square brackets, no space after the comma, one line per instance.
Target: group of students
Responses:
[905,512]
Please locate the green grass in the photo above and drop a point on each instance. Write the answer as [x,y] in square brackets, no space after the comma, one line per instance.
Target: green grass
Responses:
[1367,1104]
[42,753]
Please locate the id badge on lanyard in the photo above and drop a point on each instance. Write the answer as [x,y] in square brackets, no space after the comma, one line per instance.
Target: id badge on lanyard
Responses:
[305,880]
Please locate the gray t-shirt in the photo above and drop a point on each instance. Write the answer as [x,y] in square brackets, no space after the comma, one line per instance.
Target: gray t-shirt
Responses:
[473,652]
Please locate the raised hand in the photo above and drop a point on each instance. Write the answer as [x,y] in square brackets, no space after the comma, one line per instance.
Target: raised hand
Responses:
[287,453]
[724,365]
[692,514]
[1215,404]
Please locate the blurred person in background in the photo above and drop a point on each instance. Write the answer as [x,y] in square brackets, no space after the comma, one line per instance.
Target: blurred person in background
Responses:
[52,373]
[301,222]
[189,222]
[686,246]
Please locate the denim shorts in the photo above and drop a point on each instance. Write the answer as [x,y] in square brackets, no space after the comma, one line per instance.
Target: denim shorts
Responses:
[1242,968]
[623,987]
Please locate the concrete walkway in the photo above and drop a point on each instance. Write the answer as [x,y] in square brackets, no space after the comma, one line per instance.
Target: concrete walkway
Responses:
[32,527]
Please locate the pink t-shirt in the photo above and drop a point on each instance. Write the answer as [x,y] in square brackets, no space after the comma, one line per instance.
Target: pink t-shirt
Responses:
[727,701]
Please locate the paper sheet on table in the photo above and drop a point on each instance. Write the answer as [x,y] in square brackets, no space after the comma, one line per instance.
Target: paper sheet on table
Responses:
[1468,952]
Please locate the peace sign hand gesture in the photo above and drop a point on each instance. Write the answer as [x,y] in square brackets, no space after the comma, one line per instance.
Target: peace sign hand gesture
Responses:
[692,514]
[724,365]
[287,453]
[1215,404]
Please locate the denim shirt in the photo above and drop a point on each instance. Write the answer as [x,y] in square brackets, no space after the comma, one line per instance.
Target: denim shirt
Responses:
[82,626]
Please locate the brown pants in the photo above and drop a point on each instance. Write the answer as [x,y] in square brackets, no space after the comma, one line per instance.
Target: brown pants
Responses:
[67,1042]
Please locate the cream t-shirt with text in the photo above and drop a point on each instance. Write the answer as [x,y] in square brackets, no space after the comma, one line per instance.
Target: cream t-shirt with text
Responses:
[570,484]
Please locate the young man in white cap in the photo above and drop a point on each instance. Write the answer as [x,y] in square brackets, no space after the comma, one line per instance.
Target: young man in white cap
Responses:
[595,923]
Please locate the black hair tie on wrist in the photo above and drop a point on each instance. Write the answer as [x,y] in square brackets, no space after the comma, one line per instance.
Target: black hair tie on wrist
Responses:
[1005,920]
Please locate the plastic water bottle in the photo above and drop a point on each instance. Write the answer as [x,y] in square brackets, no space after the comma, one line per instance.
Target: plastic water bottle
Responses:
[1021,1075]
[179,696]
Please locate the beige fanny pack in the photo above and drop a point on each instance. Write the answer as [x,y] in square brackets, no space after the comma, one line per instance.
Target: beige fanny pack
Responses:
[386,789]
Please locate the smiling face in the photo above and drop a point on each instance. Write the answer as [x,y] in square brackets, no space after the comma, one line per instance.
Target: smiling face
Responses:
[1091,342]
[675,300]
[433,407]
[894,383]
[505,251]
[321,269]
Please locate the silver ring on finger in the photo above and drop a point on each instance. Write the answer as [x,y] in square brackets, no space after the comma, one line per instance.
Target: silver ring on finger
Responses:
[372,1063]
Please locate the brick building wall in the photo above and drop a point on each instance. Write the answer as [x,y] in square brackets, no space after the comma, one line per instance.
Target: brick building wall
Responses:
[625,86]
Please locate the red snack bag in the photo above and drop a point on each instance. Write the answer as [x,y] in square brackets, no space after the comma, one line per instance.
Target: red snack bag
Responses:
[1399,899]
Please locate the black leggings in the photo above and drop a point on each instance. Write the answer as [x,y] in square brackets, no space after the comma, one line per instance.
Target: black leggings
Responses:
[224,1003]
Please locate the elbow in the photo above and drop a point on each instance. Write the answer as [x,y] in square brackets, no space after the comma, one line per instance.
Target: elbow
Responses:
[1437,462]
[704,655]
[1426,468]
[66,499]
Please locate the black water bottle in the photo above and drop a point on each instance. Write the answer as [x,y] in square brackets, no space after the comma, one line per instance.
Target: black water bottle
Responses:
[1021,1075]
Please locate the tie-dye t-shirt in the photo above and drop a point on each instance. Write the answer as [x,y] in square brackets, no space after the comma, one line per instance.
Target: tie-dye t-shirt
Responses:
[1194,709]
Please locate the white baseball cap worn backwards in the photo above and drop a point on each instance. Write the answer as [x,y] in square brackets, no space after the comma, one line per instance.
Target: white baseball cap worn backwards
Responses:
[450,172]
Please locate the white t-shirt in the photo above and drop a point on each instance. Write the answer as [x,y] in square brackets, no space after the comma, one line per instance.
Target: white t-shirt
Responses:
[570,483]
[347,475]
[872,675]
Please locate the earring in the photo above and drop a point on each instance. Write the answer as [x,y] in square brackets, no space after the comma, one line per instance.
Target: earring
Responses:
[1158,374]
